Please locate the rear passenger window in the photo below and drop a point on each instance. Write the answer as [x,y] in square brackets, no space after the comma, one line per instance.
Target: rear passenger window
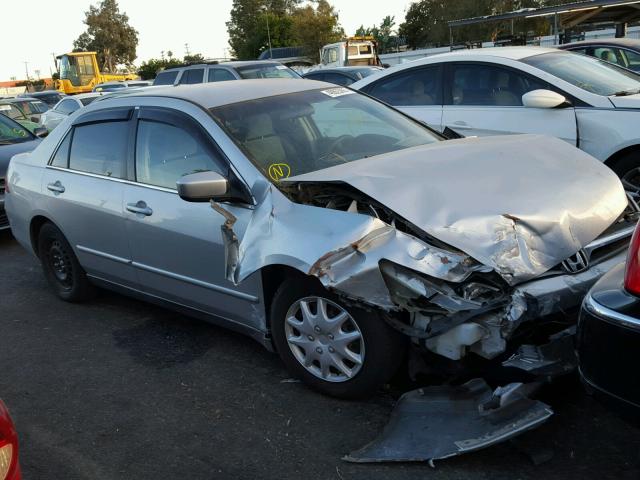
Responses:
[100,148]
[220,75]
[165,152]
[192,76]
[67,107]
[413,87]
[61,157]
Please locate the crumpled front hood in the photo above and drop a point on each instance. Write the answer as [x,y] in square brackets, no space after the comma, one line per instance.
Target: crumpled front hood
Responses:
[520,204]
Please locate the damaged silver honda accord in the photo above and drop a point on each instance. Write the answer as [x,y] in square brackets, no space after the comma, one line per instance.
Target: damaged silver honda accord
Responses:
[339,231]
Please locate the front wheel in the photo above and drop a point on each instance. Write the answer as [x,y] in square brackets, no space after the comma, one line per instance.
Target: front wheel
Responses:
[339,350]
[628,169]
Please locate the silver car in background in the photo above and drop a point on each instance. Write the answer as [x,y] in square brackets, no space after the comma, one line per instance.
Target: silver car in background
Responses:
[318,221]
[65,107]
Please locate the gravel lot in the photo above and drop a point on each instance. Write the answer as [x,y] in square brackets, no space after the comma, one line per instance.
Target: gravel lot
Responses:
[118,389]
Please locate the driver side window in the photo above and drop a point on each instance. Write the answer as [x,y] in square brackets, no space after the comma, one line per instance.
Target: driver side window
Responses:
[165,152]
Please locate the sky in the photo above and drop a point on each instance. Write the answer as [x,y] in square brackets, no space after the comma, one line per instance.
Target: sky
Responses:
[161,24]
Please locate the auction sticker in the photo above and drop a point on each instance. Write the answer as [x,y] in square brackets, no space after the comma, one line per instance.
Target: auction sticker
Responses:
[278,171]
[337,92]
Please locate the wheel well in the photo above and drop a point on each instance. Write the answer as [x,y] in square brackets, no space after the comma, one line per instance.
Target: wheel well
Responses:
[272,278]
[615,158]
[34,230]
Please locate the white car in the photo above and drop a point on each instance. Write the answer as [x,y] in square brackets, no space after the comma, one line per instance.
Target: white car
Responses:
[65,107]
[492,91]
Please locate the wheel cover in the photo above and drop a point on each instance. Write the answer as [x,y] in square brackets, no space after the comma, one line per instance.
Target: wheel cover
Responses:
[60,264]
[325,339]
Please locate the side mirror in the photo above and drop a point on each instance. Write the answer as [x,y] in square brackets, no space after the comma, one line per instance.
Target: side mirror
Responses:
[543,99]
[40,132]
[202,187]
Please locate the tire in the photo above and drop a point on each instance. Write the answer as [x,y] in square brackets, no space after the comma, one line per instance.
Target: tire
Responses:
[379,347]
[627,168]
[60,265]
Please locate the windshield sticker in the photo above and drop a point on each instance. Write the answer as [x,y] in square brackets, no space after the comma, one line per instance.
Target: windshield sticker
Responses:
[278,171]
[337,92]
[4,108]
[281,67]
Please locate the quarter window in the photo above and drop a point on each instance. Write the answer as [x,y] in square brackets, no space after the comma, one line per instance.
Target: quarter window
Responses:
[61,157]
[67,107]
[489,85]
[413,87]
[165,152]
[100,148]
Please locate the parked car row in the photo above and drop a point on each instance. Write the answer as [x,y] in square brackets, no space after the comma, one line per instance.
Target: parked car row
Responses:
[350,224]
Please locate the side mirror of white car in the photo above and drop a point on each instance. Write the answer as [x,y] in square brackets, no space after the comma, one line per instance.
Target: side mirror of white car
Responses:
[543,99]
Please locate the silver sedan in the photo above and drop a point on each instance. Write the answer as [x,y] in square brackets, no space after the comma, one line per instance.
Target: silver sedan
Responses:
[319,221]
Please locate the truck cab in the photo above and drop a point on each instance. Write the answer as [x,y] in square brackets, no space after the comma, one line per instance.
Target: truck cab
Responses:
[355,51]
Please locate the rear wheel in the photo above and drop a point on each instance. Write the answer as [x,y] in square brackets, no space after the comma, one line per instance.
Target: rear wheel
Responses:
[60,265]
[337,349]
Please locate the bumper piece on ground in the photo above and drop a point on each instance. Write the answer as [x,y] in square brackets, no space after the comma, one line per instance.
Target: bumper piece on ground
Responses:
[439,422]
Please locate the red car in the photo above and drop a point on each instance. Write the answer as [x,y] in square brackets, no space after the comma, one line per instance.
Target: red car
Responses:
[9,468]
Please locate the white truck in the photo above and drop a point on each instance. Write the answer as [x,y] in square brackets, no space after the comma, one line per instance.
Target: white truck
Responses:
[355,51]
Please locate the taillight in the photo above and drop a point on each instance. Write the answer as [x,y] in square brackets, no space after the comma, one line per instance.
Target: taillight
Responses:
[9,469]
[632,273]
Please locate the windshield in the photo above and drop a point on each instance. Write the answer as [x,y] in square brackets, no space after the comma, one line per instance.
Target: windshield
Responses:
[12,132]
[270,70]
[77,69]
[588,73]
[288,135]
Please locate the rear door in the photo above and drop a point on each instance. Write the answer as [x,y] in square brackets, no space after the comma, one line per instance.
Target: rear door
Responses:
[192,76]
[416,91]
[84,185]
[486,99]
[176,245]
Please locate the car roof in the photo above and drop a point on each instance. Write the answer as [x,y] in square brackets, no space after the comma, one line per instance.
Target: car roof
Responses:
[344,69]
[84,95]
[513,53]
[20,99]
[232,64]
[215,94]
[624,42]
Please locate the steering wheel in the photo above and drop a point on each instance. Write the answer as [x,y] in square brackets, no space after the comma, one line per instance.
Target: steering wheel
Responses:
[331,150]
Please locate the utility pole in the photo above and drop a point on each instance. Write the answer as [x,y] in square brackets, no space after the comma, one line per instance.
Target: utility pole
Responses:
[26,69]
[269,35]
[186,49]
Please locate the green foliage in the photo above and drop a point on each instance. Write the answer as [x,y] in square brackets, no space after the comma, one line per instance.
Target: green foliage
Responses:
[150,68]
[426,25]
[315,27]
[286,22]
[108,33]
[383,34]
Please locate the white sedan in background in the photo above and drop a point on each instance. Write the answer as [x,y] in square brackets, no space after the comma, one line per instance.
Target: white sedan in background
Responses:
[65,107]
[492,91]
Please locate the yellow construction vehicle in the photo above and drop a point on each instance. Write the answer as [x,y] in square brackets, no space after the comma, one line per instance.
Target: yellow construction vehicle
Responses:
[79,73]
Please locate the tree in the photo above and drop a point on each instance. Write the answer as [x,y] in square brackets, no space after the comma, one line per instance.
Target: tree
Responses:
[150,68]
[252,22]
[314,27]
[109,34]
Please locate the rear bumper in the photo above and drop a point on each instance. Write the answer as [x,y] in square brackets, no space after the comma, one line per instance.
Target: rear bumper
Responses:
[608,346]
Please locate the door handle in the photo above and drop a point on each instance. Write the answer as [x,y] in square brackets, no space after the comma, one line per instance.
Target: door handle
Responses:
[139,207]
[461,123]
[55,187]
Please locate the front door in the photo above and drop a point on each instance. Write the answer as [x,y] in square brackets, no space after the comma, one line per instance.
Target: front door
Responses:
[176,245]
[485,99]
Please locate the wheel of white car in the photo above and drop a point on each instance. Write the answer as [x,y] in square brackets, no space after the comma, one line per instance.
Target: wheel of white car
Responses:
[342,351]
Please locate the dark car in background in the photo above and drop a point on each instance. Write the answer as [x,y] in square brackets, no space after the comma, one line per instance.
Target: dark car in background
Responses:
[14,138]
[9,466]
[609,335]
[221,72]
[341,75]
[50,97]
[624,52]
